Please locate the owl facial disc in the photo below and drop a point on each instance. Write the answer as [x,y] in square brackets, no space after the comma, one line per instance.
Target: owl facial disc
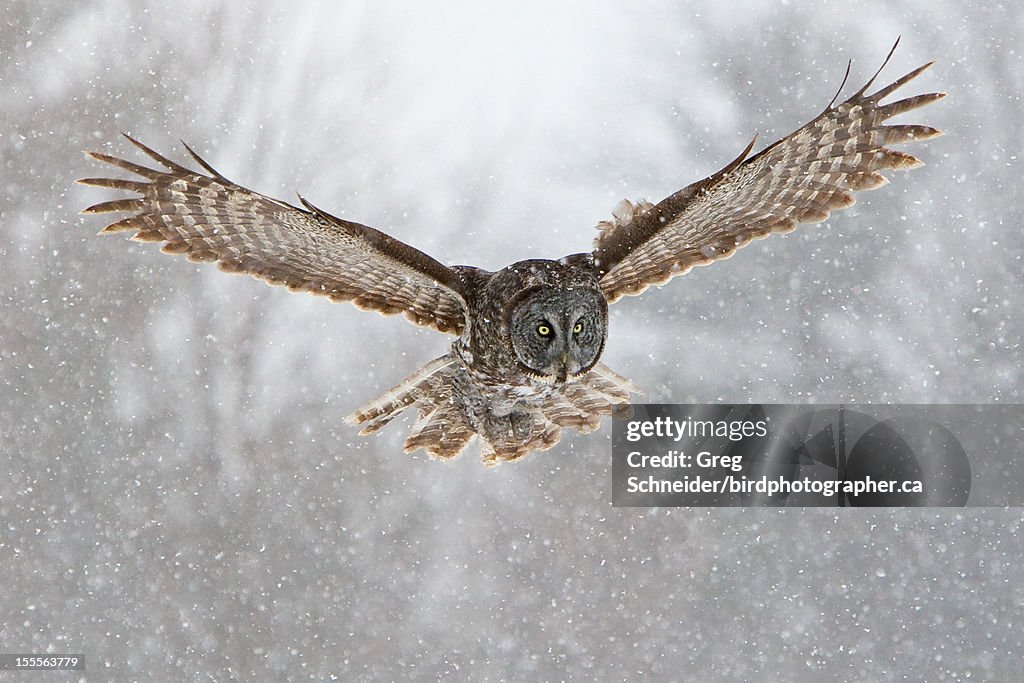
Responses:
[558,333]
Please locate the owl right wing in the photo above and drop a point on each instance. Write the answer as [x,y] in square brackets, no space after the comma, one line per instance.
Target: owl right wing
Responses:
[210,218]
[799,179]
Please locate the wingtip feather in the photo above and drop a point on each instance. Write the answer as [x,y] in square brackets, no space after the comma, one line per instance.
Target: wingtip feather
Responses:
[154,155]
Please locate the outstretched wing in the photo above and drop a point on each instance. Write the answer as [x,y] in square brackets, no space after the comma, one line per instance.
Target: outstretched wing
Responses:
[210,218]
[799,179]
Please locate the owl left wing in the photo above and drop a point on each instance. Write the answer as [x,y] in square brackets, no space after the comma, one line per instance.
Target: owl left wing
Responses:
[209,218]
[799,179]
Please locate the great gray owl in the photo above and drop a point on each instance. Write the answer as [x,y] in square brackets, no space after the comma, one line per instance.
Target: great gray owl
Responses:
[526,359]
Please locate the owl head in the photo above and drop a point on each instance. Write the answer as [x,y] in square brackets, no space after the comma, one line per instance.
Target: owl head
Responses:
[558,327]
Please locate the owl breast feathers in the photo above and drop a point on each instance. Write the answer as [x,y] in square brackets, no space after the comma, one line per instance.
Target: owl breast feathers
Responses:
[525,361]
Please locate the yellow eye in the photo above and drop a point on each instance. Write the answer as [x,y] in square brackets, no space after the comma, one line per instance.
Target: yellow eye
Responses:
[544,330]
[578,328]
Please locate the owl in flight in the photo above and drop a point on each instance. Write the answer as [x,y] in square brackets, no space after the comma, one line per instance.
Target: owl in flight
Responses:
[525,362]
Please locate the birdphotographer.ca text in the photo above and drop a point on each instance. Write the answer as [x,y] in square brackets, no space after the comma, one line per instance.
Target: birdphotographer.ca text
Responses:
[821,455]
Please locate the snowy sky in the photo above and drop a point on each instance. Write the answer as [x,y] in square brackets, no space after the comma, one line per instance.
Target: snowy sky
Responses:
[180,496]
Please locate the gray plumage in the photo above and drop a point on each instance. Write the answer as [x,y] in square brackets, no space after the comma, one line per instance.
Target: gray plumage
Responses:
[525,363]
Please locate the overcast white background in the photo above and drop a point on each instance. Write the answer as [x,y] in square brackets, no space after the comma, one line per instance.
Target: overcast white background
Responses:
[180,499]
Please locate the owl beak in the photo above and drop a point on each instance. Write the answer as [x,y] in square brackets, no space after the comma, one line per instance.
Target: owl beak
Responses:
[563,366]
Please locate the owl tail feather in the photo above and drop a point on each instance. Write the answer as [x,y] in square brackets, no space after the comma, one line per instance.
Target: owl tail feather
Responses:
[577,405]
[443,428]
[435,375]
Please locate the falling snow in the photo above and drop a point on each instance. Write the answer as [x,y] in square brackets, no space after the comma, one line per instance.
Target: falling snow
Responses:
[180,498]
